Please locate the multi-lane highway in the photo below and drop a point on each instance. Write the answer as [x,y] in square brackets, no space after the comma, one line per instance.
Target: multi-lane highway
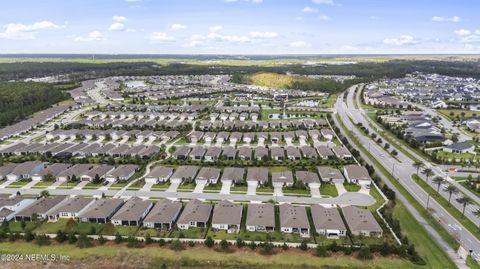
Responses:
[402,169]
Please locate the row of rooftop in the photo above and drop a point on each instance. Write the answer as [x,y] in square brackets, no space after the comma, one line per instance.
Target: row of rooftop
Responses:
[166,215]
[261,153]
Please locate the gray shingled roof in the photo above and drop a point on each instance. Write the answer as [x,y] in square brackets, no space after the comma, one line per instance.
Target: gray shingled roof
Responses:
[132,210]
[327,218]
[102,208]
[359,219]
[293,216]
[195,210]
[164,211]
[260,215]
[226,212]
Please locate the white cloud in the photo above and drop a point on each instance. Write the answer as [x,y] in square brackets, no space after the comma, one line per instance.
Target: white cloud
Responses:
[92,36]
[323,17]
[401,41]
[463,32]
[299,18]
[177,27]
[159,36]
[215,28]
[446,19]
[468,36]
[324,2]
[20,31]
[117,26]
[308,9]
[298,44]
[120,18]
[228,38]
[194,43]
[263,34]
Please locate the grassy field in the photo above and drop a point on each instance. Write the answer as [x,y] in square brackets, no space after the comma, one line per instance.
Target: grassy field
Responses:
[114,256]
[456,114]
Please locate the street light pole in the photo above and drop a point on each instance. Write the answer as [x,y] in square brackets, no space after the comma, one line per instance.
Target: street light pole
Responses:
[428,200]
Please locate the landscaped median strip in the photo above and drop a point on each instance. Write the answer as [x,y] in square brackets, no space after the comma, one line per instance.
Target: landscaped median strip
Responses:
[422,211]
[453,211]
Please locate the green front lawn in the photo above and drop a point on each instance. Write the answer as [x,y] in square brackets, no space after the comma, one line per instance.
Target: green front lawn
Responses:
[43,184]
[188,187]
[19,183]
[328,189]
[67,185]
[264,189]
[238,188]
[350,187]
[215,188]
[296,191]
[137,185]
[93,186]
[162,186]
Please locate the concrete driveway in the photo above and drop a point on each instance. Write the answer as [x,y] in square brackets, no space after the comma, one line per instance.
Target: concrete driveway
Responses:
[277,190]
[315,190]
[81,185]
[226,185]
[252,187]
[200,185]
[173,186]
[55,185]
[340,188]
[147,186]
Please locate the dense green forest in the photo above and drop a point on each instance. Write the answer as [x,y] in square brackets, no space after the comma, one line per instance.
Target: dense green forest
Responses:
[21,99]
[370,70]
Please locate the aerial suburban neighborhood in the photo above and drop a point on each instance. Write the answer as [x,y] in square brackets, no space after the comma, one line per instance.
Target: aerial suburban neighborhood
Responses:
[240,134]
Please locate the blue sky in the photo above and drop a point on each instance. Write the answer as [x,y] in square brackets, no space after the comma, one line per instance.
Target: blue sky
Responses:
[240,26]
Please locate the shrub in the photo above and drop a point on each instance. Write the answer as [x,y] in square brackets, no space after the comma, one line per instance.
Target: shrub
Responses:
[364,254]
[118,238]
[61,237]
[224,245]
[83,241]
[161,242]
[176,245]
[267,248]
[102,240]
[148,239]
[321,251]
[303,246]
[72,239]
[209,242]
[42,240]
[132,242]
[29,236]
[240,243]
[285,246]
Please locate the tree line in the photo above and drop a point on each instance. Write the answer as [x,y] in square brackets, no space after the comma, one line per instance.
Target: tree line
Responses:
[21,99]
